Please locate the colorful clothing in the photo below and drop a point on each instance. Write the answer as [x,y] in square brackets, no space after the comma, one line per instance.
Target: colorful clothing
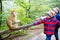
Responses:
[49,25]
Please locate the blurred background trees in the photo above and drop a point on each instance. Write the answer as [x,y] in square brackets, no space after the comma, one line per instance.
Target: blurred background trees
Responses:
[28,10]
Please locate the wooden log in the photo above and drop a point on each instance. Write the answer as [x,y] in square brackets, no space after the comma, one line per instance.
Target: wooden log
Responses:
[21,27]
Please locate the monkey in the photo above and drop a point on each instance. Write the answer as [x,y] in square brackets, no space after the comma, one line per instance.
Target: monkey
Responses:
[12,21]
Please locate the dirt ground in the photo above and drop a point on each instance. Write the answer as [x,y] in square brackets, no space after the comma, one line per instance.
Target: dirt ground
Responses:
[37,35]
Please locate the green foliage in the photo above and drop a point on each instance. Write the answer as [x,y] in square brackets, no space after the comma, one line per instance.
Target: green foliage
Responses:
[20,32]
[28,10]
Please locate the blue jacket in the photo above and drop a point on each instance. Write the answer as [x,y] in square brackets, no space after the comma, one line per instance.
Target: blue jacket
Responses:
[57,16]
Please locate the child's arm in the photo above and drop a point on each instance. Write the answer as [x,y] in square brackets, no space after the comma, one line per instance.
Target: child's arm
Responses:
[33,24]
[38,22]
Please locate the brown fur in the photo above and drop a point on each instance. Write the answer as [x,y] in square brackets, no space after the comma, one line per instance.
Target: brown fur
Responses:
[12,22]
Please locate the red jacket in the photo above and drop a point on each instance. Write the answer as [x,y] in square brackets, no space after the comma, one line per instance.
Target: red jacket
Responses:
[49,25]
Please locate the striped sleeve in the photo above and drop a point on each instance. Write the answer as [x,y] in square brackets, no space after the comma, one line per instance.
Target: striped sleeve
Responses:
[38,22]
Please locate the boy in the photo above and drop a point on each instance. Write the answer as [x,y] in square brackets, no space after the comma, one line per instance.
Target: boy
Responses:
[49,25]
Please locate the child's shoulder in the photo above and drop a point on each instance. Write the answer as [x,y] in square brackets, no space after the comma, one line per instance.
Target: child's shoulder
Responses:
[54,19]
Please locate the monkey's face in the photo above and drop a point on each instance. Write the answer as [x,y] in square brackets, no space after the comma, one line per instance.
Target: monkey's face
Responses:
[14,14]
